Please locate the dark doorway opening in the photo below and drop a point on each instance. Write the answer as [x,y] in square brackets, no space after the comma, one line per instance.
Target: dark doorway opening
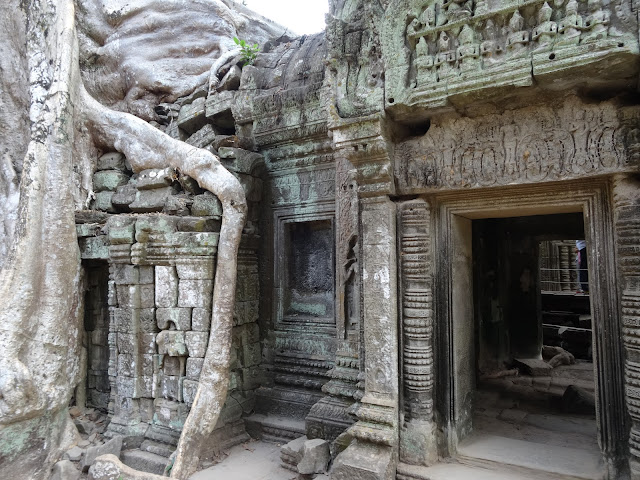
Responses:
[534,400]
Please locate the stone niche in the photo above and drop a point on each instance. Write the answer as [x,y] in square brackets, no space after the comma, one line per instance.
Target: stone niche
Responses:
[309,290]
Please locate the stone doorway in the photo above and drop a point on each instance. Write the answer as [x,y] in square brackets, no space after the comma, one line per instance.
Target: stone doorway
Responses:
[534,375]
[459,341]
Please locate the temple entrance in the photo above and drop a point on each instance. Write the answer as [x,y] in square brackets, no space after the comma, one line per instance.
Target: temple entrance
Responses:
[534,375]
[529,345]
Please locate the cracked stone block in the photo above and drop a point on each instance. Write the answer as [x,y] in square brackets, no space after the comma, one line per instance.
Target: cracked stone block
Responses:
[291,453]
[201,319]
[166,287]
[231,80]
[206,205]
[109,180]
[196,343]
[179,317]
[315,457]
[198,224]
[112,161]
[194,366]
[155,178]
[195,293]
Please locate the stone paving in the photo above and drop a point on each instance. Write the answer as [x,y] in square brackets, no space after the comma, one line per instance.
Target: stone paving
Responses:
[249,461]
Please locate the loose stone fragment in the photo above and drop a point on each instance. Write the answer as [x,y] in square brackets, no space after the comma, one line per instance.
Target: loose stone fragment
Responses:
[112,447]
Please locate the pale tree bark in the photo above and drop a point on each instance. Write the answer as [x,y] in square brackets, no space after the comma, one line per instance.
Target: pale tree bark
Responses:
[40,282]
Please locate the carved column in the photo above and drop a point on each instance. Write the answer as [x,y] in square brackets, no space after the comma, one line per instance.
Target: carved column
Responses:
[373,453]
[627,227]
[417,436]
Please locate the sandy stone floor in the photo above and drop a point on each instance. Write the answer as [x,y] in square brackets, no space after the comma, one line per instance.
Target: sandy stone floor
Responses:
[250,461]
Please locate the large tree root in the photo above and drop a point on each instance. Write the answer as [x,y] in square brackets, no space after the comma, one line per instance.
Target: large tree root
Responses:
[147,147]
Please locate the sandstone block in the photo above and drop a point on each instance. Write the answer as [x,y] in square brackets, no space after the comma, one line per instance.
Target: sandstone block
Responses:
[111,161]
[179,317]
[151,200]
[315,457]
[192,117]
[206,205]
[103,203]
[112,447]
[124,196]
[109,180]
[121,230]
[195,293]
[196,343]
[201,319]
[198,224]
[172,343]
[189,389]
[194,365]
[166,287]
[202,270]
[155,178]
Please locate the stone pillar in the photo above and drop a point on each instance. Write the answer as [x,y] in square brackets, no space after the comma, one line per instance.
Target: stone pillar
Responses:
[626,195]
[417,435]
[372,456]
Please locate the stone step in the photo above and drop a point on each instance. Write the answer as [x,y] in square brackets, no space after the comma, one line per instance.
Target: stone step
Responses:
[144,461]
[274,429]
[457,471]
[566,462]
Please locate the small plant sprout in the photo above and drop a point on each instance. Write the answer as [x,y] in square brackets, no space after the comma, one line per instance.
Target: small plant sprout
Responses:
[249,52]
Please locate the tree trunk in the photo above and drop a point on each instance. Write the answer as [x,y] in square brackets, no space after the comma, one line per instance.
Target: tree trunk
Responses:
[40,283]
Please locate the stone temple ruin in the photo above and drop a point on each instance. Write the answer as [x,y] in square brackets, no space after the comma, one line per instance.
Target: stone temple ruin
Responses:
[408,303]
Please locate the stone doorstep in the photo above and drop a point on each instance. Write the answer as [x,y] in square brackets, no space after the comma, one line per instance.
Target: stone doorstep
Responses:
[274,429]
[458,471]
[480,450]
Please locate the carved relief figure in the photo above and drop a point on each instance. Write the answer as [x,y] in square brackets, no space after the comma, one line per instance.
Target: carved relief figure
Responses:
[468,52]
[490,49]
[425,63]
[446,58]
[518,38]
[545,32]
[597,23]
[570,26]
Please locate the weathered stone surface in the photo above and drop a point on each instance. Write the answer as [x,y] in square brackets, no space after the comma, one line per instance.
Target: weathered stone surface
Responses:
[194,365]
[111,161]
[155,178]
[195,293]
[109,180]
[109,467]
[166,281]
[206,205]
[231,80]
[75,454]
[171,343]
[112,447]
[103,202]
[202,270]
[315,457]
[200,319]
[198,224]
[196,343]
[180,318]
[151,200]
[192,116]
[65,470]
[124,196]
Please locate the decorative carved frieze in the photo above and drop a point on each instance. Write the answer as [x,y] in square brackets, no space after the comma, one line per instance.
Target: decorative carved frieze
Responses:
[457,47]
[528,145]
